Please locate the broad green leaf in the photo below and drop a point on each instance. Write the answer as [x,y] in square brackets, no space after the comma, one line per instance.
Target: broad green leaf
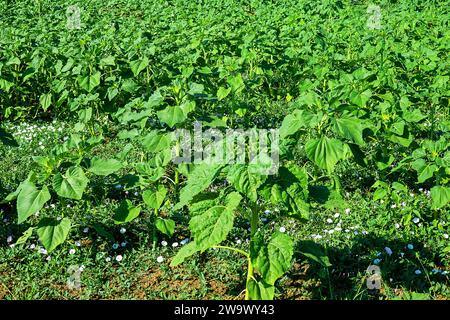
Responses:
[236,83]
[413,116]
[212,227]
[30,200]
[296,120]
[398,127]
[104,167]
[45,101]
[108,61]
[222,93]
[185,252]
[166,226]
[53,232]
[172,115]
[424,170]
[245,181]
[440,196]
[154,198]
[24,237]
[325,152]
[273,260]
[350,128]
[88,83]
[126,212]
[138,65]
[85,115]
[128,134]
[5,85]
[198,180]
[72,184]
[259,290]
[360,98]
[156,141]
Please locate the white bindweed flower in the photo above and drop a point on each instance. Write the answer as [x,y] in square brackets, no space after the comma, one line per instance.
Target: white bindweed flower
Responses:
[347,211]
[48,258]
[394,206]
[164,243]
[445,236]
[336,215]
[282,229]
[418,272]
[78,243]
[81,268]
[184,241]
[136,193]
[416,220]
[9,239]
[238,241]
[118,186]
[108,259]
[330,220]
[115,246]
[264,219]
[410,246]
[124,244]
[160,259]
[72,251]
[32,246]
[397,225]
[43,251]
[86,230]
[388,250]
[267,212]
[119,258]
[376,261]
[175,244]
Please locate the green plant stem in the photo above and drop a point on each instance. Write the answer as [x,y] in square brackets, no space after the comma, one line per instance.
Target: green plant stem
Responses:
[329,284]
[177,175]
[155,239]
[246,254]
[249,277]
[254,220]
[253,228]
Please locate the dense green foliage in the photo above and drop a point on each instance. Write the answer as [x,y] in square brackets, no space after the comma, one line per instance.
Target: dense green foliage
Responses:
[343,96]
